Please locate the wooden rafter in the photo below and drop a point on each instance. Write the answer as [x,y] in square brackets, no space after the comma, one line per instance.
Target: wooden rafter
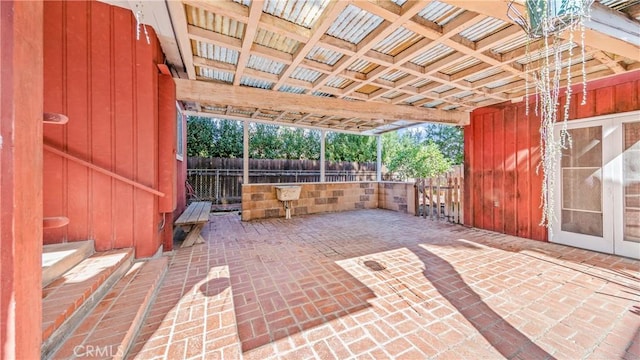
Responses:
[464,21]
[176,10]
[278,121]
[594,39]
[433,69]
[215,94]
[303,118]
[322,24]
[382,31]
[609,61]
[255,10]
[633,11]
[374,86]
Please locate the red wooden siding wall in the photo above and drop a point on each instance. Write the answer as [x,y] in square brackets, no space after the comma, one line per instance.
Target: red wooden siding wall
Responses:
[167,135]
[502,153]
[106,82]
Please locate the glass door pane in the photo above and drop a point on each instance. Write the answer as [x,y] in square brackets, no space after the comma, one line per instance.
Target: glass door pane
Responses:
[631,181]
[581,183]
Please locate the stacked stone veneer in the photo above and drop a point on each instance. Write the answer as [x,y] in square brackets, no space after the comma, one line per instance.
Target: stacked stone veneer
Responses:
[397,196]
[259,201]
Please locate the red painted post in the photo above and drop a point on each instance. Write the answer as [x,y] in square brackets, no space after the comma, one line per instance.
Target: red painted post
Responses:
[21,111]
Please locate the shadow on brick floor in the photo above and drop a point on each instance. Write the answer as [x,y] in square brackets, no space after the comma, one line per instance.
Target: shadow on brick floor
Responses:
[502,336]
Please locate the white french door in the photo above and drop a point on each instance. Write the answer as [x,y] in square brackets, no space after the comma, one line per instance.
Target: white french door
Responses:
[597,192]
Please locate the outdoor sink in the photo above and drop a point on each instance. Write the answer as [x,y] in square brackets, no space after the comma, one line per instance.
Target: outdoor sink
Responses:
[287,193]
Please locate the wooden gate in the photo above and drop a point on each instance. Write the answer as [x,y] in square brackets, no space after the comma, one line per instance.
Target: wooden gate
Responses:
[441,197]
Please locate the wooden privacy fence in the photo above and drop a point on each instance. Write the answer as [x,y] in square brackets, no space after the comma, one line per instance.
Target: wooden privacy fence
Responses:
[441,197]
[219,180]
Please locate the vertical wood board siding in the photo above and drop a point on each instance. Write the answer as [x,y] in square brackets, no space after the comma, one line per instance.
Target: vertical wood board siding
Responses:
[502,152]
[106,82]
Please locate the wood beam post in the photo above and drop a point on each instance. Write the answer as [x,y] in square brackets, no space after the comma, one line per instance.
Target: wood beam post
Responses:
[245,154]
[322,155]
[21,119]
[379,158]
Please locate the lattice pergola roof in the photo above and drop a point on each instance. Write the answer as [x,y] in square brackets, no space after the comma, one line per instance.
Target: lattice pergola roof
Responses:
[366,66]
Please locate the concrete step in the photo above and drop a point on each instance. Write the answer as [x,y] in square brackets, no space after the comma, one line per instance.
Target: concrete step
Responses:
[69,298]
[109,330]
[57,259]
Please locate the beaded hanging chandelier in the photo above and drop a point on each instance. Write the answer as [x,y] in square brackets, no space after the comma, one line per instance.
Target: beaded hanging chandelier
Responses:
[552,23]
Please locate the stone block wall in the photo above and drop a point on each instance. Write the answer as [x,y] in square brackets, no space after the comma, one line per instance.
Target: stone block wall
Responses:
[259,200]
[397,196]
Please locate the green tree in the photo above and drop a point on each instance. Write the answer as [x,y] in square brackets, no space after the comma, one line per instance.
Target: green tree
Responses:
[408,158]
[350,147]
[264,142]
[227,139]
[300,143]
[200,134]
[449,140]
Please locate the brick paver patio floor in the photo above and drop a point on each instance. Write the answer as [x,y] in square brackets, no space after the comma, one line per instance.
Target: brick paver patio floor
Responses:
[377,284]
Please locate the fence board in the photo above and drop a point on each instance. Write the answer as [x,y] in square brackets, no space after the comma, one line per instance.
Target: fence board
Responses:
[219,180]
[440,198]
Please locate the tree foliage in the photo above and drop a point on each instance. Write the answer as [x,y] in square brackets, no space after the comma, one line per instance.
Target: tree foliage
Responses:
[200,137]
[418,152]
[449,140]
[408,157]
[265,142]
[223,138]
[349,147]
[300,144]
[227,139]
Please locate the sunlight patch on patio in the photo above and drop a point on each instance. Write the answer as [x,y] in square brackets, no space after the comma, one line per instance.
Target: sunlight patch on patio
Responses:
[381,284]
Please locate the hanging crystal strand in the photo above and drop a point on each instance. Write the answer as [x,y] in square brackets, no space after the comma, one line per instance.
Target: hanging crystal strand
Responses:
[568,92]
[146,34]
[527,73]
[536,80]
[547,81]
[545,113]
[584,66]
[527,68]
[565,138]
[552,147]
[139,18]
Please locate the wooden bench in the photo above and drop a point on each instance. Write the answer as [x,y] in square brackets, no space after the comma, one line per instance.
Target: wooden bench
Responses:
[192,221]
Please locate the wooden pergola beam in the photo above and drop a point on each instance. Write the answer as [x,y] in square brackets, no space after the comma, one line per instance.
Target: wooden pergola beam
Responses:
[633,11]
[595,39]
[450,37]
[247,40]
[331,12]
[393,16]
[176,11]
[387,27]
[236,96]
[465,20]
[276,121]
